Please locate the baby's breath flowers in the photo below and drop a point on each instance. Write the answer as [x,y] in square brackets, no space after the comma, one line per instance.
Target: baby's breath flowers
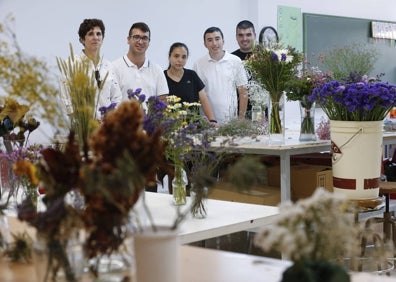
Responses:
[319,230]
[303,231]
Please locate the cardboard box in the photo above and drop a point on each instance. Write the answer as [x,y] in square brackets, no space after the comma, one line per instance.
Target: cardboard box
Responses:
[263,195]
[304,179]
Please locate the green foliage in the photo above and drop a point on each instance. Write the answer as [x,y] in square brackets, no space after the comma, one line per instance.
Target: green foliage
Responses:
[352,58]
[240,128]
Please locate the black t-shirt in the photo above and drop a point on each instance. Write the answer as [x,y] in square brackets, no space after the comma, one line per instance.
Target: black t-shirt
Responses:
[243,56]
[187,88]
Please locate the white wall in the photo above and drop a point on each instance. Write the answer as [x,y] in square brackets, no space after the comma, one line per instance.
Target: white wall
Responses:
[45,27]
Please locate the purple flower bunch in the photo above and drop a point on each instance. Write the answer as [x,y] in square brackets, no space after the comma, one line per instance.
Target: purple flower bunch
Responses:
[365,100]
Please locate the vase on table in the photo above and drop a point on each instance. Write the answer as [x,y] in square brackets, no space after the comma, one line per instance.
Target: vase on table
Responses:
[257,114]
[5,233]
[356,178]
[179,186]
[58,260]
[307,113]
[156,255]
[199,198]
[277,117]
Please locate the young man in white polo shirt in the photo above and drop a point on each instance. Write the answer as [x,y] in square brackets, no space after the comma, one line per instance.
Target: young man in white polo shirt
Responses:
[224,77]
[134,70]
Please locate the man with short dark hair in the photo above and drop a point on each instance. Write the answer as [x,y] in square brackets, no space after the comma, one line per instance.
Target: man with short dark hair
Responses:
[134,70]
[245,36]
[224,77]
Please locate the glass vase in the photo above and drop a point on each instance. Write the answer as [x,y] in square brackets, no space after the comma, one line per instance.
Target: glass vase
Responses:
[179,186]
[199,198]
[5,233]
[307,129]
[277,117]
[257,114]
[58,260]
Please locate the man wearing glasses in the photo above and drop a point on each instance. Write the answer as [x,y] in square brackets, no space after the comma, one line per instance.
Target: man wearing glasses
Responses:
[134,70]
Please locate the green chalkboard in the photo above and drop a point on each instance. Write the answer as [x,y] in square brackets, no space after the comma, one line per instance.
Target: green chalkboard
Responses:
[322,32]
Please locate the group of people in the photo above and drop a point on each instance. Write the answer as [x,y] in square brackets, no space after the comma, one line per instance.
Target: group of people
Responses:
[218,80]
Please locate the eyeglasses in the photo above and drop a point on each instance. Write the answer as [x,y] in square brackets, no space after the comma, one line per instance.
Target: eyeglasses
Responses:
[136,38]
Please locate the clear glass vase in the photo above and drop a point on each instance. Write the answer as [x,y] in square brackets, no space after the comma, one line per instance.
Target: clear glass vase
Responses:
[307,129]
[179,186]
[277,117]
[257,114]
[5,234]
[199,198]
[58,260]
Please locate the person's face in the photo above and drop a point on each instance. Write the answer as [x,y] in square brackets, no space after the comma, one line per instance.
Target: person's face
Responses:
[138,41]
[245,38]
[178,58]
[93,39]
[214,42]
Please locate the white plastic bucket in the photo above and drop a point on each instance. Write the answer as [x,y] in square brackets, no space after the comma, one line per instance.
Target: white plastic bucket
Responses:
[356,158]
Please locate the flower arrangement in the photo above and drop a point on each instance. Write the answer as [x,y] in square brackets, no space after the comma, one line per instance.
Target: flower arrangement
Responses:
[300,89]
[302,234]
[178,122]
[79,90]
[121,155]
[13,128]
[273,66]
[365,100]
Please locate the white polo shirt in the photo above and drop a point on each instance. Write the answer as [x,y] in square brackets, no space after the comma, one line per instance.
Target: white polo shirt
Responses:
[150,77]
[221,79]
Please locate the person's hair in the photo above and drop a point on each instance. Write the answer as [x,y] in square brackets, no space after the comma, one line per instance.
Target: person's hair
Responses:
[213,29]
[140,25]
[177,45]
[89,24]
[245,24]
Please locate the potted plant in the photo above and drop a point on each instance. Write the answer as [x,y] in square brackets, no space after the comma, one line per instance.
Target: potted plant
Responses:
[356,108]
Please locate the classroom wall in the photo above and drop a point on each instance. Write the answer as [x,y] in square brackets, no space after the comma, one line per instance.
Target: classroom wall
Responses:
[46,27]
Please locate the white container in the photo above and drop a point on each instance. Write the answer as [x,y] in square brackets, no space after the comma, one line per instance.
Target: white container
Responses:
[356,158]
[157,255]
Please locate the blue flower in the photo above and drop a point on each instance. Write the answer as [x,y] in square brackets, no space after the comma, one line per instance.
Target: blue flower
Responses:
[364,100]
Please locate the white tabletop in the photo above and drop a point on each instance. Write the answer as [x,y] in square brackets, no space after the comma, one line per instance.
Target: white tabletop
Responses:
[206,265]
[261,145]
[223,217]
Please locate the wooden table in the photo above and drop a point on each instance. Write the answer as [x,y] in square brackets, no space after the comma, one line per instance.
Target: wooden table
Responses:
[201,265]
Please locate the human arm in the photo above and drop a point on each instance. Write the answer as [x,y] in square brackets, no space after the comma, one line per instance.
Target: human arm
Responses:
[243,101]
[206,107]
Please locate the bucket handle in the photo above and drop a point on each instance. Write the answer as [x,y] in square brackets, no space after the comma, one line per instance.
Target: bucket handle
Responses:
[336,158]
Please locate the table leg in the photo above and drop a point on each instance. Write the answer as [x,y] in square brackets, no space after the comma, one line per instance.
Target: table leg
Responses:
[285,176]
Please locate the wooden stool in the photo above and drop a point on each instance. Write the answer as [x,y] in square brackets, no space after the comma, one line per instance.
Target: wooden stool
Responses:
[388,220]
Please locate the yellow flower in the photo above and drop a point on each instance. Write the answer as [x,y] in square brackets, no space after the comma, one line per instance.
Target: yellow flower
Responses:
[24,167]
